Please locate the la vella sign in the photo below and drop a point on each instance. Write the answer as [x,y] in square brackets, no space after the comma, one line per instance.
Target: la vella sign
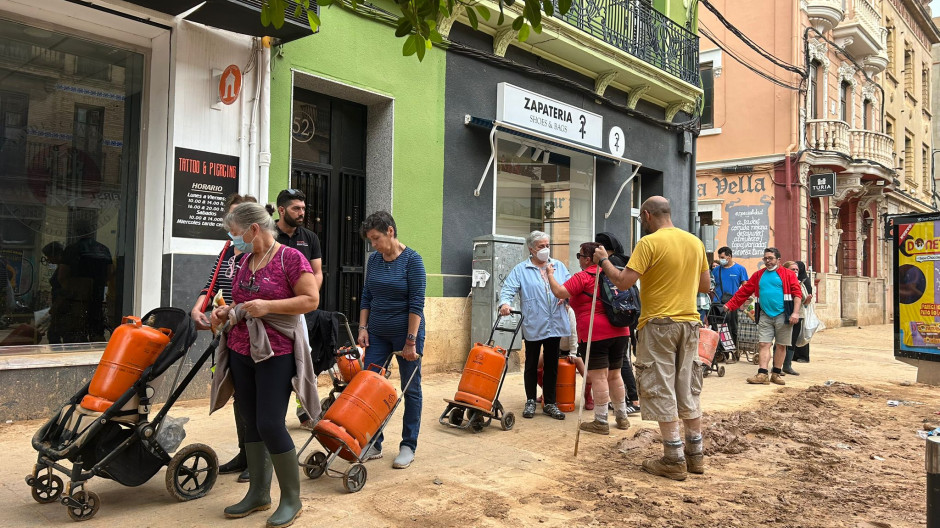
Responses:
[822,185]
[548,116]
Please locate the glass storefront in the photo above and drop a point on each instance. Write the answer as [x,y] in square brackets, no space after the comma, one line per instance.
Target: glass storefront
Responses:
[545,190]
[69,140]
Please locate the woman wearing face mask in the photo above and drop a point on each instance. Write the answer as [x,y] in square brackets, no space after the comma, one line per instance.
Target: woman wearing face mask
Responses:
[225,263]
[545,319]
[266,356]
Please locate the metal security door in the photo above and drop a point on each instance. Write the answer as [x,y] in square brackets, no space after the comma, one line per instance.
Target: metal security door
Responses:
[335,187]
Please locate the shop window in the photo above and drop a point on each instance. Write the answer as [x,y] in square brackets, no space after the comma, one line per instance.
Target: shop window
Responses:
[814,235]
[867,245]
[68,163]
[545,190]
[707,73]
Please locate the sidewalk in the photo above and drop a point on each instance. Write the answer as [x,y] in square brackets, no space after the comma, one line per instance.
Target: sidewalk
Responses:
[493,478]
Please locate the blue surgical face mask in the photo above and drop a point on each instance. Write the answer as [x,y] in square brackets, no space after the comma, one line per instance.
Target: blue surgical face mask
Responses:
[239,242]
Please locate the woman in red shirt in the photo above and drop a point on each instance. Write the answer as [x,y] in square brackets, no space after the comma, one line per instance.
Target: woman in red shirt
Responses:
[608,342]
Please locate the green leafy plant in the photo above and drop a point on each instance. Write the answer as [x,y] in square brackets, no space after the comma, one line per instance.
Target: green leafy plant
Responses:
[418,21]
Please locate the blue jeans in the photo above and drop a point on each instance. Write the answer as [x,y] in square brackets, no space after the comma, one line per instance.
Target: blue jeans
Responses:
[380,348]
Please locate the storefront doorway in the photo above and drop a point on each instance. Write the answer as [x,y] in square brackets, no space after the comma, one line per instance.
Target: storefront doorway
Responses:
[328,164]
[69,133]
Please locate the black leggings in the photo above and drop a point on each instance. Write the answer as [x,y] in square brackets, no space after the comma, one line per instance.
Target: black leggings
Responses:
[549,348]
[262,393]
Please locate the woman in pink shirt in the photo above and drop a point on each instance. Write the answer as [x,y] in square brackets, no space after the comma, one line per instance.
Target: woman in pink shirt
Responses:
[608,342]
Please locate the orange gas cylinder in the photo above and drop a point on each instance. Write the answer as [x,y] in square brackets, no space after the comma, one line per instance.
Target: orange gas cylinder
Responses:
[564,387]
[357,414]
[481,376]
[707,345]
[132,348]
[347,364]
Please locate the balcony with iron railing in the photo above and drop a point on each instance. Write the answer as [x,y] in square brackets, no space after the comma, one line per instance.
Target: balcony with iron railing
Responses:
[640,31]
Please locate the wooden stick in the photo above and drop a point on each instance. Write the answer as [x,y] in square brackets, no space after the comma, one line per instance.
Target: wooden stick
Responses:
[587,358]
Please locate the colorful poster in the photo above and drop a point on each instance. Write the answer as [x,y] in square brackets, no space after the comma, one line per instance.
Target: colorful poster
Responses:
[917,286]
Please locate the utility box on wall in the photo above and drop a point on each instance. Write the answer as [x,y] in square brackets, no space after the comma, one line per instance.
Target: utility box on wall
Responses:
[494,256]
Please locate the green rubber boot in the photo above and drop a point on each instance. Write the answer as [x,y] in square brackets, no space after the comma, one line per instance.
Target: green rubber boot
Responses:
[288,478]
[258,497]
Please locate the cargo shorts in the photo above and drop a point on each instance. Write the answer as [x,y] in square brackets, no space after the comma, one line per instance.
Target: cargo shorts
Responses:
[775,329]
[668,370]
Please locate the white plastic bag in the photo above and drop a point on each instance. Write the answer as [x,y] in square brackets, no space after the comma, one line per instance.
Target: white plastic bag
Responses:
[171,433]
[811,325]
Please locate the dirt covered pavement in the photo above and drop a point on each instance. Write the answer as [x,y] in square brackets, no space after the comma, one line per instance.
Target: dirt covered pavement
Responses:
[825,451]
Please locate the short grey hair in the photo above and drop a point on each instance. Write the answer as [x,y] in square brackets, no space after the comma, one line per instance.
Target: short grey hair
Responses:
[534,237]
[248,213]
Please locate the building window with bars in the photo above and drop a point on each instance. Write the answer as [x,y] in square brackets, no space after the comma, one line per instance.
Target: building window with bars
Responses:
[925,167]
[925,85]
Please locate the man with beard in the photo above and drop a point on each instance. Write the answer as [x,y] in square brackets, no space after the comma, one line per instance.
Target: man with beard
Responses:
[291,209]
[674,270]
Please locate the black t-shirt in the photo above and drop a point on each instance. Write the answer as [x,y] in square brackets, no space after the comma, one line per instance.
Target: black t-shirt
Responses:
[304,240]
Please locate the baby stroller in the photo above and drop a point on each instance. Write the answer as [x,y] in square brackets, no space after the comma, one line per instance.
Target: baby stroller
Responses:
[480,385]
[348,364]
[352,424]
[119,441]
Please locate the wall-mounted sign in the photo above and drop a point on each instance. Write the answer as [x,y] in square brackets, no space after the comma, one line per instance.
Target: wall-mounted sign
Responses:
[230,84]
[201,183]
[616,143]
[822,185]
[748,227]
[548,116]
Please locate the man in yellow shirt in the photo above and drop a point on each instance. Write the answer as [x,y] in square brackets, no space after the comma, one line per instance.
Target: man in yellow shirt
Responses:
[674,269]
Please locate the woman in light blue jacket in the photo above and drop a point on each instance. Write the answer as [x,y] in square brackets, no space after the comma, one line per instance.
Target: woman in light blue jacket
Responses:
[545,319]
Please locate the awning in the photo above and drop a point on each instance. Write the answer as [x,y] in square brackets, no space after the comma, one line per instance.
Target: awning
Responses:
[532,135]
[237,16]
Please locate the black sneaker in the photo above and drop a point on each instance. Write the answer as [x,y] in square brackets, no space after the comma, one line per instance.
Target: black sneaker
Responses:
[529,410]
[235,465]
[553,411]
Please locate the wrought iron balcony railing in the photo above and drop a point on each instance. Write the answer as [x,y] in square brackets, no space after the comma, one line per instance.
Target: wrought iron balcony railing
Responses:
[639,30]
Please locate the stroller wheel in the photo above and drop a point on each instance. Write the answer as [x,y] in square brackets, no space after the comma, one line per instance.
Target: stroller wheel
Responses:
[192,472]
[507,421]
[721,372]
[456,416]
[354,478]
[47,488]
[87,507]
[315,465]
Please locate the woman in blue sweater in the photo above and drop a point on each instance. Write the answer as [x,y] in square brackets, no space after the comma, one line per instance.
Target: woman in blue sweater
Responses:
[391,318]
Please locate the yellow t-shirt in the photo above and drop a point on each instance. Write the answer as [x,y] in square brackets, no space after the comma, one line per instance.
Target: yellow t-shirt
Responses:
[670,263]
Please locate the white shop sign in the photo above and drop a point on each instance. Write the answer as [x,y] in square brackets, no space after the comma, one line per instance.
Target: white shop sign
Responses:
[548,116]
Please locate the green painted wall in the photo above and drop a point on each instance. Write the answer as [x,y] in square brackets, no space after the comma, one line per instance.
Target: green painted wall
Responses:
[359,52]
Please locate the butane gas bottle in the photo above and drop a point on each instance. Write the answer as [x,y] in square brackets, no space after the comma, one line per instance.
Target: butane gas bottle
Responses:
[132,348]
[707,345]
[357,414]
[481,376]
[565,386]
[347,364]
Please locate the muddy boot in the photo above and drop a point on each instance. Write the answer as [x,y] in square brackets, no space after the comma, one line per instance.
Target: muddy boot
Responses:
[258,497]
[670,469]
[695,463]
[288,478]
